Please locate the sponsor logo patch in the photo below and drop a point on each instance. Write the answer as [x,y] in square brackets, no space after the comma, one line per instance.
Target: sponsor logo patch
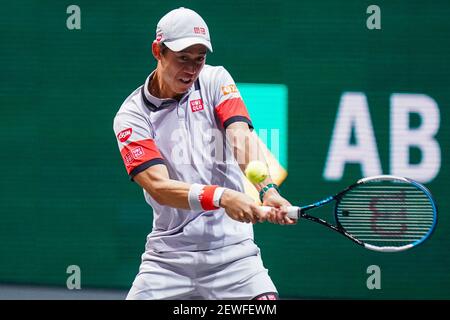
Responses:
[134,154]
[229,89]
[128,158]
[138,152]
[196,105]
[124,134]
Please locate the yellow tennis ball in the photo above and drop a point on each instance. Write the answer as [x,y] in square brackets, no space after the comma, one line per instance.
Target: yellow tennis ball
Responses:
[256,171]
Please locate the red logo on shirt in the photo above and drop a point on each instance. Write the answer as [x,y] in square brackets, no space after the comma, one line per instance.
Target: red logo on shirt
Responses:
[196,105]
[128,158]
[135,153]
[124,134]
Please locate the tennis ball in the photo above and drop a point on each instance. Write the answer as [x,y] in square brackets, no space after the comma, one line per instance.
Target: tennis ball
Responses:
[256,171]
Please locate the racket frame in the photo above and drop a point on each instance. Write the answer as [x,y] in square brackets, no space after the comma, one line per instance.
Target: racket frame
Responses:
[301,213]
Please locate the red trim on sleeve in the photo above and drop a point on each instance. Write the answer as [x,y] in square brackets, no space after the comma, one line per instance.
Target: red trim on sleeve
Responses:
[207,197]
[136,153]
[231,108]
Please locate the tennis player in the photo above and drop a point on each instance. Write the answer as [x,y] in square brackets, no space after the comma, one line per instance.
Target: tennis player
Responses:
[185,136]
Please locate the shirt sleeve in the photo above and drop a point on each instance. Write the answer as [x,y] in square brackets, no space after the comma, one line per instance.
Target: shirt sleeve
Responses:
[136,144]
[229,107]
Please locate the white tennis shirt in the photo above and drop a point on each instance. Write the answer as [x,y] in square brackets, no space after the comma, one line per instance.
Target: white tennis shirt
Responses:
[188,137]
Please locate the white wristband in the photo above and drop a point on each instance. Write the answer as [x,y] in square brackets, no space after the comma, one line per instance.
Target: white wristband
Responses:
[217,195]
[194,196]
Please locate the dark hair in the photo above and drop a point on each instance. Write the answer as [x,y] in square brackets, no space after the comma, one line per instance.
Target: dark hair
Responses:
[163,48]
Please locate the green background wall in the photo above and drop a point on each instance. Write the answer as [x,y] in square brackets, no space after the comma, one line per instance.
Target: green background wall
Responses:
[65,197]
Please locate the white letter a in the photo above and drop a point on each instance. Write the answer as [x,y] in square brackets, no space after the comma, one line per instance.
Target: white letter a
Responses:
[353,115]
[374,21]
[74,20]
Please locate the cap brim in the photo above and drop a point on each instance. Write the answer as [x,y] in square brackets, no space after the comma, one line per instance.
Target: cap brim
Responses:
[180,44]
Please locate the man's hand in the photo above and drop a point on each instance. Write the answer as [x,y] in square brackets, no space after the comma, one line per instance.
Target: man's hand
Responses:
[242,208]
[278,215]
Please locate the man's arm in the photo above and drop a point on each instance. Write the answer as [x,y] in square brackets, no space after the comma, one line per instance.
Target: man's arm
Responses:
[168,192]
[246,148]
[173,193]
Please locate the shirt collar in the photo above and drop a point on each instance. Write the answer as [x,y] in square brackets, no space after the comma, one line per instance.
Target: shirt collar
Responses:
[154,103]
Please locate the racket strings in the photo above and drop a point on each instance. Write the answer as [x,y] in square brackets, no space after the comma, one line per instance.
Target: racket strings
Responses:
[386,213]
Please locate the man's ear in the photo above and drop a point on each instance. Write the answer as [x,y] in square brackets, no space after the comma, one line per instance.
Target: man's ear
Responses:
[156,50]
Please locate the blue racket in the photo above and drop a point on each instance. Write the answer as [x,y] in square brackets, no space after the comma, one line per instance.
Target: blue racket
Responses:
[382,213]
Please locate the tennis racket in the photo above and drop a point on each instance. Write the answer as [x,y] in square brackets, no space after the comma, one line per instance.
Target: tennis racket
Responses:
[382,213]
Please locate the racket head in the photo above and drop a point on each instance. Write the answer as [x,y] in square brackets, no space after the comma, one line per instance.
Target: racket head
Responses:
[387,213]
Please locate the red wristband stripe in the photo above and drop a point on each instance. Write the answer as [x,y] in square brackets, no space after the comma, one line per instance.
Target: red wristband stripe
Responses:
[207,197]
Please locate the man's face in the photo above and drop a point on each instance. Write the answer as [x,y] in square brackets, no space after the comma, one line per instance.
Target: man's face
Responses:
[180,69]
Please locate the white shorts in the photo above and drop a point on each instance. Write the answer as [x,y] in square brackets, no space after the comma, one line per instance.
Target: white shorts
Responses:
[231,272]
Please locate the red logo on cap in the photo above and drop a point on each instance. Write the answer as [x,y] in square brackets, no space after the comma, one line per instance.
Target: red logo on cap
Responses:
[124,134]
[267,297]
[199,30]
[159,37]
[196,105]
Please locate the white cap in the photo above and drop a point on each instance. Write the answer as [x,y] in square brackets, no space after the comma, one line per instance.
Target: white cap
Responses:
[181,28]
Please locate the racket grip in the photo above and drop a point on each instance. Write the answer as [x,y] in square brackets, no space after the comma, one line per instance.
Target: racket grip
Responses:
[293,212]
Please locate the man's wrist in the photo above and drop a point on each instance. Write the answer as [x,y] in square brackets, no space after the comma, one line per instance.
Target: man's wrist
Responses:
[262,184]
[217,198]
[271,188]
[204,197]
[224,198]
[272,191]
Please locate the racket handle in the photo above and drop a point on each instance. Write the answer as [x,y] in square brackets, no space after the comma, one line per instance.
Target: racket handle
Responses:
[293,212]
